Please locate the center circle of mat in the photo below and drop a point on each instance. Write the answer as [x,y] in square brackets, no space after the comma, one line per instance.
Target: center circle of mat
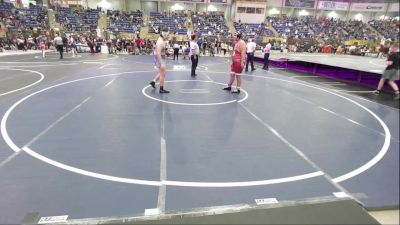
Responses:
[246,95]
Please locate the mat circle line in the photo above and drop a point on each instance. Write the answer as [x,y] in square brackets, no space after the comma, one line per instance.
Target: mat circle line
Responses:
[338,179]
[246,95]
[27,86]
[57,57]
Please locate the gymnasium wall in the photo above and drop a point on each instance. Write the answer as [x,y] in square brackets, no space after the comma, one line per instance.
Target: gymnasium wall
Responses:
[147,6]
[246,17]
[218,7]
[271,8]
[132,5]
[124,5]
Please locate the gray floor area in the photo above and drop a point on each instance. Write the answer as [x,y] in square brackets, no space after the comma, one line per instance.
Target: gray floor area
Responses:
[325,212]
[91,139]
[361,63]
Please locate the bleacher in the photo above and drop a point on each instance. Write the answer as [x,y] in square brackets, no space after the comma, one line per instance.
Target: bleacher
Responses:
[129,22]
[290,26]
[327,28]
[359,30]
[251,30]
[388,28]
[210,24]
[323,27]
[24,18]
[175,23]
[6,9]
[75,20]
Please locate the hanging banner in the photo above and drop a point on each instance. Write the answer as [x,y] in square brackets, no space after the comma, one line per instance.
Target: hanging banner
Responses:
[220,1]
[300,3]
[329,5]
[370,7]
[193,1]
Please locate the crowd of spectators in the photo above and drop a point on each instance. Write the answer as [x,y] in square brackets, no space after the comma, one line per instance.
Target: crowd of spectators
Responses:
[330,28]
[290,26]
[359,30]
[174,21]
[31,27]
[21,19]
[388,28]
[136,46]
[210,23]
[77,19]
[327,28]
[129,22]
[255,31]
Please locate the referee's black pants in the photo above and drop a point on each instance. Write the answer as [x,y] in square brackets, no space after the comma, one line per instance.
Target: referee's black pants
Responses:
[195,61]
[266,60]
[250,58]
[176,53]
[60,48]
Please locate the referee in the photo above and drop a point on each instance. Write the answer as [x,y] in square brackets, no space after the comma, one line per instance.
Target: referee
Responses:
[176,51]
[194,54]
[58,42]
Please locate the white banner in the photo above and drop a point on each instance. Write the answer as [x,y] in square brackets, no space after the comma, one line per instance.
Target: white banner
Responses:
[329,5]
[220,1]
[371,7]
[394,7]
[53,219]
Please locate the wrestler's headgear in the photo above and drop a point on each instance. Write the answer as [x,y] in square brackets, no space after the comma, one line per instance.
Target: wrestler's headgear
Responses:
[164,32]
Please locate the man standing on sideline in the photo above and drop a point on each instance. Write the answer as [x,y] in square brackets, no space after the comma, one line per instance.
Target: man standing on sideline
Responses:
[266,51]
[194,54]
[250,49]
[58,42]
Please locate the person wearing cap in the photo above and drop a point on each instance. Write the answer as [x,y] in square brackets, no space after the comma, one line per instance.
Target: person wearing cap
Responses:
[238,63]
[250,49]
[159,54]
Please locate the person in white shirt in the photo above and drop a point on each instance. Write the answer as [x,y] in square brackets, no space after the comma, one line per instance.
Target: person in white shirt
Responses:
[194,54]
[21,45]
[266,51]
[183,50]
[58,42]
[250,49]
[176,51]
[223,48]
[30,42]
